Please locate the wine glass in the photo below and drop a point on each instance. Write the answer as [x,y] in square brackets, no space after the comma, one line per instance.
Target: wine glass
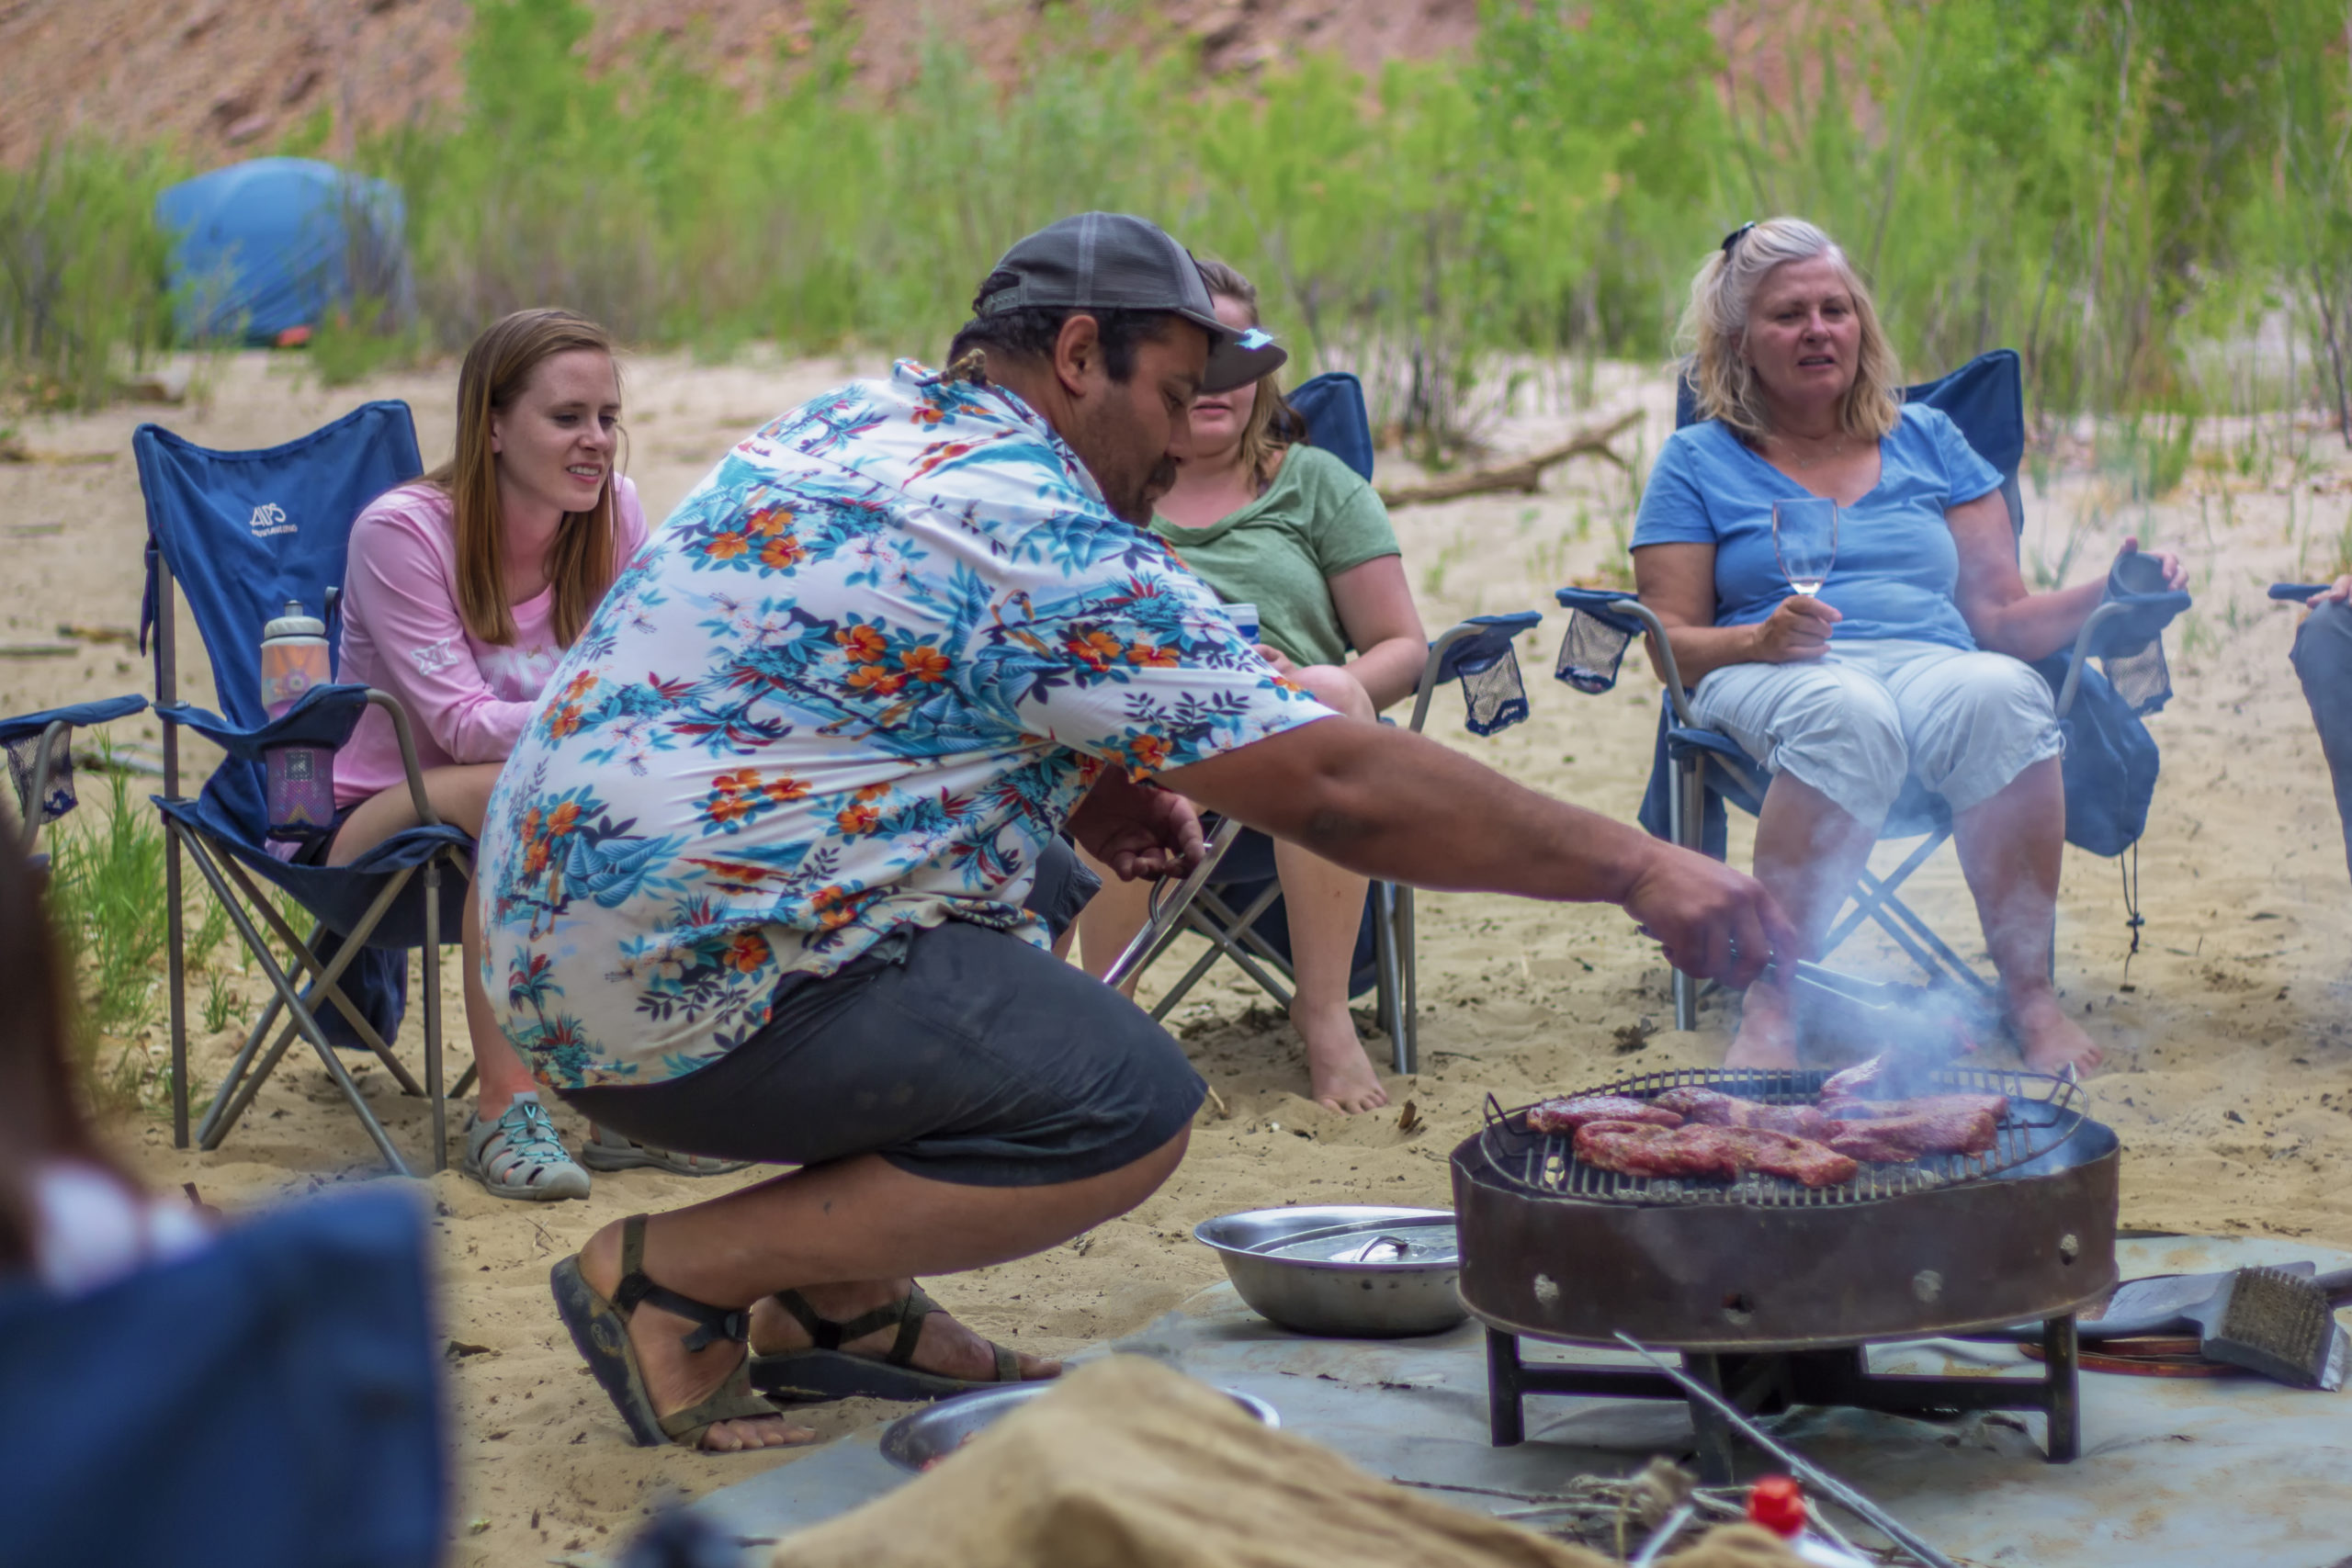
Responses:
[1804,539]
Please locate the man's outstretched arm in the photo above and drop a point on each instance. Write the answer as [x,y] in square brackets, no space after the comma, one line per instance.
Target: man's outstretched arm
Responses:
[1391,804]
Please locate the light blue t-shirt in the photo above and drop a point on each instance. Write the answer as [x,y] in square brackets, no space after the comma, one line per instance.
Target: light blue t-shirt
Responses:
[1897,562]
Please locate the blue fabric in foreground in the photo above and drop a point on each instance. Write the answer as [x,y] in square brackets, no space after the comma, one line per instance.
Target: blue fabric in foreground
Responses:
[270,1401]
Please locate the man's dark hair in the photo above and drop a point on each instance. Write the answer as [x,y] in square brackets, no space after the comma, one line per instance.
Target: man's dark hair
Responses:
[1028,334]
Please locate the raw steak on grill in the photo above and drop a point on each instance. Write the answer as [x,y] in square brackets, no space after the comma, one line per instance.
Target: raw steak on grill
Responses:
[1567,1115]
[1994,1105]
[1698,1150]
[1784,1154]
[1640,1148]
[1908,1137]
[1719,1110]
[1856,1081]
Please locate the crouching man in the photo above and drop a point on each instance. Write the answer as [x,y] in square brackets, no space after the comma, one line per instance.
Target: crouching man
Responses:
[772,873]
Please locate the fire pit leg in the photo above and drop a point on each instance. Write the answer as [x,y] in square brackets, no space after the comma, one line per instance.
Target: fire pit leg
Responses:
[1714,1434]
[2060,1364]
[1506,1390]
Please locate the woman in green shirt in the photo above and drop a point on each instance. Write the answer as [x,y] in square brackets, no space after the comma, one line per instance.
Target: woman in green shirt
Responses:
[1297,533]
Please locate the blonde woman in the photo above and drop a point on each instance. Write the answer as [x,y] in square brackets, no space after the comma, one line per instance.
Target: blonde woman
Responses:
[1298,533]
[1911,658]
[461,592]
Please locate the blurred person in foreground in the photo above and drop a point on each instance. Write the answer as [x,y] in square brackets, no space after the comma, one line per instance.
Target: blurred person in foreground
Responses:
[2323,660]
[773,872]
[1295,531]
[461,590]
[1912,659]
[69,1213]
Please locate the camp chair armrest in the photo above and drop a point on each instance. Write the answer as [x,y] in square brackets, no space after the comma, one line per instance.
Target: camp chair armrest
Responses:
[2297,593]
[409,765]
[1617,602]
[1426,686]
[1448,653]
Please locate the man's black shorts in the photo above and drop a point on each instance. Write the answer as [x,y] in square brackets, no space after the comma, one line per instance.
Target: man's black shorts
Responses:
[960,1054]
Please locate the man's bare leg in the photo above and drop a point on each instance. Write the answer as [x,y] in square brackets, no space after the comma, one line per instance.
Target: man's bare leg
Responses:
[2010,849]
[1808,851]
[862,1225]
[1110,921]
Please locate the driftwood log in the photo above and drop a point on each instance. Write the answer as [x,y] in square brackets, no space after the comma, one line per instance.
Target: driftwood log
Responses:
[1524,476]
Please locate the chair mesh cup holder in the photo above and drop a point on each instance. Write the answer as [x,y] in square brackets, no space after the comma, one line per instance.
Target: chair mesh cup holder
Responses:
[57,797]
[1592,650]
[1493,692]
[2141,678]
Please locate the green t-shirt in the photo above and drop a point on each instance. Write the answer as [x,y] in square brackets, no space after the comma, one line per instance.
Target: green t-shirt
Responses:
[1280,552]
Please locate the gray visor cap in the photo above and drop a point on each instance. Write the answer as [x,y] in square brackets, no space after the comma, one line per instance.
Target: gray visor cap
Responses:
[1112,261]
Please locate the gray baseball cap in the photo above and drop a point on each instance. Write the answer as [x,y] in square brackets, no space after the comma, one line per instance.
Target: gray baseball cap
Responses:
[1112,261]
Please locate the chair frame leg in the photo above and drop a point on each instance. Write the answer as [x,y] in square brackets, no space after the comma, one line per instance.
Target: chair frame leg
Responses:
[1687,818]
[1207,923]
[432,987]
[225,1113]
[303,955]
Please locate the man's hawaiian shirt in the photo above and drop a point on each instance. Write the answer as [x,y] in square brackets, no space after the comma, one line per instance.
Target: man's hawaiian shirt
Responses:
[853,686]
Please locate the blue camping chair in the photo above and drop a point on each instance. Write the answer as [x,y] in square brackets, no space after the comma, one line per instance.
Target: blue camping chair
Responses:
[41,760]
[1233,899]
[1697,770]
[269,1402]
[241,534]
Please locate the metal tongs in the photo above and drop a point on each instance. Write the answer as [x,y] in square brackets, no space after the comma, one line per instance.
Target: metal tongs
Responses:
[1919,1031]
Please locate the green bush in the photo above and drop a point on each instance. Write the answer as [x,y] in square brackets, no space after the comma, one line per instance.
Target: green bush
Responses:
[81,271]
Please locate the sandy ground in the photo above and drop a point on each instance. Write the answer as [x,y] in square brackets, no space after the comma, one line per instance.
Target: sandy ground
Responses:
[2231,1063]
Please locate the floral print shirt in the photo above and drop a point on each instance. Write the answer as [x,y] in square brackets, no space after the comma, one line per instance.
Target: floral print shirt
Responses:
[853,686]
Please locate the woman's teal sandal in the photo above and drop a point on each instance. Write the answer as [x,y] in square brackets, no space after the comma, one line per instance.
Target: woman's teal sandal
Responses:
[599,1331]
[825,1371]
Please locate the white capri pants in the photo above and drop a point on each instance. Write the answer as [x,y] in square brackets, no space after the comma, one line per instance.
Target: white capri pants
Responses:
[1857,722]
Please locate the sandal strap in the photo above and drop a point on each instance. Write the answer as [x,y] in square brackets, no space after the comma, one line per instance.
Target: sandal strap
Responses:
[733,1401]
[712,1323]
[907,1313]
[823,1335]
[917,1306]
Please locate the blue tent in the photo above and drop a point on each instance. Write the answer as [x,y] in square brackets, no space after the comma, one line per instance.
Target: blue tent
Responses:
[276,243]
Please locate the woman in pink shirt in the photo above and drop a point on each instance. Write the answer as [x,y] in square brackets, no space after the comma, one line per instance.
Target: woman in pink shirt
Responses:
[461,592]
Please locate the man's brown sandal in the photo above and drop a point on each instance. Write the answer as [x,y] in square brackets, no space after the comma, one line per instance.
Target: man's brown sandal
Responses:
[825,1371]
[599,1331]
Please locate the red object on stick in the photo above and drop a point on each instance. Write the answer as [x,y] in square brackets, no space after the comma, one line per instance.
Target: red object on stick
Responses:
[1777,1503]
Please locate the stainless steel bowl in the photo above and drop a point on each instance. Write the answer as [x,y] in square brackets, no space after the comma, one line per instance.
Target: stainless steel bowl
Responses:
[1343,1269]
[913,1442]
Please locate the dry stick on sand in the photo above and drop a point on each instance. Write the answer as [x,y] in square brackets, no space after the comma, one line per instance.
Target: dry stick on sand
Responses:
[1523,476]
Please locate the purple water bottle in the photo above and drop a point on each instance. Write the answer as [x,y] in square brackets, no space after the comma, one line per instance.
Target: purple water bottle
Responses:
[295,658]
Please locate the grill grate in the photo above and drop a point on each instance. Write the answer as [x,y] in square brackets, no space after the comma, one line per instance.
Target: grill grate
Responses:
[2043,1113]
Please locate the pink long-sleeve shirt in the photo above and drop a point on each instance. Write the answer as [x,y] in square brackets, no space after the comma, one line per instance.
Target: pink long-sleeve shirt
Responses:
[466,701]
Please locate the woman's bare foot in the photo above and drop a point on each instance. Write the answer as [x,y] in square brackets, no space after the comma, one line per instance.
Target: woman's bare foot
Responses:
[675,1377]
[946,1348]
[2047,1038]
[1339,1073]
[1768,1029]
